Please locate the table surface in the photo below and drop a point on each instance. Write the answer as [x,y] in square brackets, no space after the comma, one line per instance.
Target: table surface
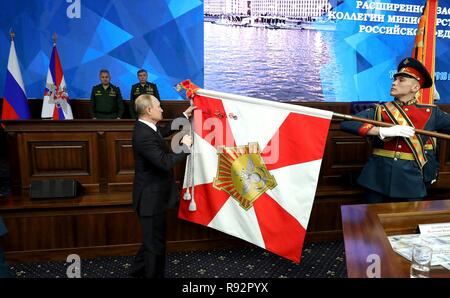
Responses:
[366,228]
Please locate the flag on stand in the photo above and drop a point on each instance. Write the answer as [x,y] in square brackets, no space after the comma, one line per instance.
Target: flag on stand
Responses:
[56,100]
[424,48]
[254,168]
[15,105]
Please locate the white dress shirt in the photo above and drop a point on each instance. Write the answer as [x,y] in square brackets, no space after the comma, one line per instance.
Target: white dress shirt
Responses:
[152,126]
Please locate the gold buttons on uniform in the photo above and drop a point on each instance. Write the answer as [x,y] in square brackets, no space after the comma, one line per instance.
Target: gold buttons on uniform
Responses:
[428,110]
[399,146]
[406,109]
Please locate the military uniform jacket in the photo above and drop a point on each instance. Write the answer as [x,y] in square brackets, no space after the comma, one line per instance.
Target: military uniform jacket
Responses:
[138,89]
[106,103]
[392,176]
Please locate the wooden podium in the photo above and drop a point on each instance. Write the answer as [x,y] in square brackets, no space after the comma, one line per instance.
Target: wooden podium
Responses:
[366,228]
[98,154]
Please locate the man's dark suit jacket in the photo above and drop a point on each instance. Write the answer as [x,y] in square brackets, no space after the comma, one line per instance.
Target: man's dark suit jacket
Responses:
[154,187]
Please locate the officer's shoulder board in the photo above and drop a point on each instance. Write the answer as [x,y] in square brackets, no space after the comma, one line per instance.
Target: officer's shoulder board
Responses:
[426,105]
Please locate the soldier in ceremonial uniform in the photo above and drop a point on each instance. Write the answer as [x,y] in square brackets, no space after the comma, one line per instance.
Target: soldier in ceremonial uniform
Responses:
[106,99]
[143,87]
[399,166]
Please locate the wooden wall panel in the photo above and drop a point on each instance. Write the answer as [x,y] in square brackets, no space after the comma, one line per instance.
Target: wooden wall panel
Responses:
[46,230]
[120,160]
[49,158]
[53,155]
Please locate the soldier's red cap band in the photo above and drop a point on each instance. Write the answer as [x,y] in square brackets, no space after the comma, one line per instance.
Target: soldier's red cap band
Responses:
[413,73]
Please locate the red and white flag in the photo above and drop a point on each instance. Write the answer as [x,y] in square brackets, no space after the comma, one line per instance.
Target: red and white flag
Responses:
[56,103]
[254,168]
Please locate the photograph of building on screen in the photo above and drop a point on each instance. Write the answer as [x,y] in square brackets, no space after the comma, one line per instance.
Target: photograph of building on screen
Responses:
[273,49]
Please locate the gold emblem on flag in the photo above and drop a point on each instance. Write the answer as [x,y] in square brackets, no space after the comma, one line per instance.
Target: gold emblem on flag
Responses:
[242,173]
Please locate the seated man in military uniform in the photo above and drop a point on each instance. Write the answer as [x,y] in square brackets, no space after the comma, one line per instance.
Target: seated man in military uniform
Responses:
[106,99]
[395,171]
[143,87]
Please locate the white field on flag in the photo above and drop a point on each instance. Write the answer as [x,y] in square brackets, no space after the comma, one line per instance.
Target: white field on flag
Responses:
[14,68]
[254,169]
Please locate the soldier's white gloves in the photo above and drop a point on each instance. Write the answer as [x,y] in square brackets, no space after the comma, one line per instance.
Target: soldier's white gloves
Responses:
[396,131]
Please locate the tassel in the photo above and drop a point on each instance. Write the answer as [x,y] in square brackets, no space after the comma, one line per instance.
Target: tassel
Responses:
[187,195]
[192,206]
[190,178]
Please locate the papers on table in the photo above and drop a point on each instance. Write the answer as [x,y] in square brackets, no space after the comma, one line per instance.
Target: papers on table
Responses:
[440,244]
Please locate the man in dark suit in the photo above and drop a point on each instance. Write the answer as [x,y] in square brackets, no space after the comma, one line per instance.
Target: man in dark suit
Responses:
[154,187]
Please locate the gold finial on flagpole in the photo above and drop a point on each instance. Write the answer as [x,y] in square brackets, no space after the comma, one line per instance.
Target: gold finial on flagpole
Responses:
[12,34]
[54,38]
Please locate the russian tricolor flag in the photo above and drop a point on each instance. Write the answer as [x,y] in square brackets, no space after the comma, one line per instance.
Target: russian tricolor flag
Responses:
[56,100]
[15,104]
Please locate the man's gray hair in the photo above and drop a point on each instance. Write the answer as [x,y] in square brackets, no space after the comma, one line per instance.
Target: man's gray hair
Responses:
[142,102]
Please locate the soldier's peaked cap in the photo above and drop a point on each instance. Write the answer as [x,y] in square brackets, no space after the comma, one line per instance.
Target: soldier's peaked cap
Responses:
[412,68]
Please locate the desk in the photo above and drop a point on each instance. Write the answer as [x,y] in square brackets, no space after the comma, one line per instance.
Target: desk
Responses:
[366,228]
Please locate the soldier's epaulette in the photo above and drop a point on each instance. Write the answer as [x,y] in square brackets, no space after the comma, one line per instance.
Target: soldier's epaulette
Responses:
[426,105]
[377,113]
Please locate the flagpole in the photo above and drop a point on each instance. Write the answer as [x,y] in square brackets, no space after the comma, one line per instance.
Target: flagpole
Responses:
[385,124]
[308,110]
[12,35]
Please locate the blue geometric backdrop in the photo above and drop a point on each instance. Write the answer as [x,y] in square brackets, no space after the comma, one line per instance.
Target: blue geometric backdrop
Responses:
[163,36]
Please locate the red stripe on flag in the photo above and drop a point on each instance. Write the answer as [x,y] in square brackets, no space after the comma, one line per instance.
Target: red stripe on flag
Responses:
[282,233]
[301,138]
[8,111]
[210,122]
[430,35]
[58,69]
[55,113]
[429,47]
[208,200]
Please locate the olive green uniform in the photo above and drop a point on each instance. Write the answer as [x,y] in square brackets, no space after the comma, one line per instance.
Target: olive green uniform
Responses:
[106,103]
[138,89]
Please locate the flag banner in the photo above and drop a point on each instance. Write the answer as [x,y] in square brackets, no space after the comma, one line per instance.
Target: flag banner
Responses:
[15,105]
[254,168]
[56,100]
[424,48]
